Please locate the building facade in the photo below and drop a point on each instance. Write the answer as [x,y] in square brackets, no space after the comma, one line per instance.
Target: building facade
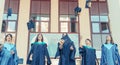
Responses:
[54,17]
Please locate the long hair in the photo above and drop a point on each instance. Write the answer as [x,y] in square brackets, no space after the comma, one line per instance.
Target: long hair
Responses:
[7,36]
[38,36]
[112,42]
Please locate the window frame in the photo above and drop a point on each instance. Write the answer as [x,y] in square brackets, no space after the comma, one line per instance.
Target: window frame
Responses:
[7,5]
[100,22]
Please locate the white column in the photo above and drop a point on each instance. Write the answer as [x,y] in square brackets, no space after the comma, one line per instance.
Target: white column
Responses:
[54,16]
[22,32]
[2,2]
[84,20]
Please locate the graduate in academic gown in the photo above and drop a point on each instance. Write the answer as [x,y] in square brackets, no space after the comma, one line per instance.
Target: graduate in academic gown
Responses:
[88,53]
[110,54]
[8,52]
[38,52]
[66,51]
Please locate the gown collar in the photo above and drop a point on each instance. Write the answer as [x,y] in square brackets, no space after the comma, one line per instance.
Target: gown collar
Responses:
[39,43]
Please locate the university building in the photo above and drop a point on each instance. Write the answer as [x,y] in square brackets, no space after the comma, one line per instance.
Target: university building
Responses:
[55,17]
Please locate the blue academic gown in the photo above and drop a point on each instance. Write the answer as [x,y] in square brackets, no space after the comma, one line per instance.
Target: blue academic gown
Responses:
[88,55]
[110,56]
[1,55]
[67,56]
[39,51]
[6,57]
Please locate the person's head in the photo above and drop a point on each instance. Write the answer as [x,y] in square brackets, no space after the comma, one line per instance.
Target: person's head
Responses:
[109,39]
[64,34]
[8,38]
[88,42]
[39,38]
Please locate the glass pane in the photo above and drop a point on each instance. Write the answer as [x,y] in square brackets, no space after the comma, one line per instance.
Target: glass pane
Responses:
[11,26]
[36,27]
[64,18]
[104,18]
[64,27]
[64,7]
[95,27]
[103,8]
[36,15]
[96,38]
[94,8]
[6,6]
[4,16]
[73,18]
[44,26]
[72,6]
[74,27]
[104,28]
[45,7]
[44,18]
[13,17]
[35,7]
[3,28]
[104,38]
[95,18]
[14,4]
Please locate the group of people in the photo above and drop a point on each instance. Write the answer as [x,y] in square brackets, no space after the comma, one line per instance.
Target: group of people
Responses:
[66,51]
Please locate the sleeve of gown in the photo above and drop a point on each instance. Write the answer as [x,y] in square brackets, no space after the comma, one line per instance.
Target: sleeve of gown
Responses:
[73,52]
[28,58]
[103,57]
[15,55]
[81,51]
[117,56]
[47,55]
[58,51]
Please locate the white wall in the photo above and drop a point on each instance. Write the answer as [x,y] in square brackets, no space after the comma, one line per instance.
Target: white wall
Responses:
[114,14]
[1,12]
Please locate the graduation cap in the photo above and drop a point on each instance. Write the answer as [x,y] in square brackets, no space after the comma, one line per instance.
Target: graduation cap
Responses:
[88,4]
[77,10]
[9,12]
[30,24]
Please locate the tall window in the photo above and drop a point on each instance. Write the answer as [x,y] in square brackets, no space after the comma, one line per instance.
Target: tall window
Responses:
[68,20]
[9,23]
[99,22]
[40,14]
[40,9]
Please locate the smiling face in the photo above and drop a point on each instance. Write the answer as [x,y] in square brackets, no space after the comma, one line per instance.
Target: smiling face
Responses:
[40,37]
[8,38]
